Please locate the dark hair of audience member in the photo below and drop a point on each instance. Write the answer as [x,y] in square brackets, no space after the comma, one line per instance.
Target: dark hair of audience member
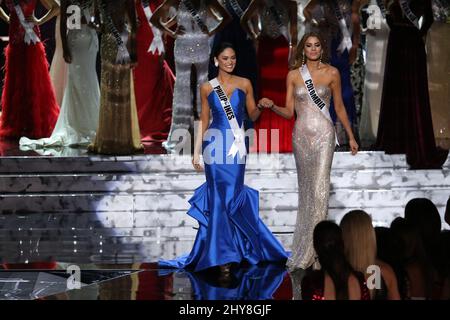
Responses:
[329,247]
[412,255]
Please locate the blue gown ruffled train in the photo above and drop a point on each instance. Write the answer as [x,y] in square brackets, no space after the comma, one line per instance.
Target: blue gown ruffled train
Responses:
[227,211]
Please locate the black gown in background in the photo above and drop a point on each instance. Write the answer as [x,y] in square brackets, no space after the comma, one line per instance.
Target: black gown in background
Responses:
[405,124]
[233,33]
[245,49]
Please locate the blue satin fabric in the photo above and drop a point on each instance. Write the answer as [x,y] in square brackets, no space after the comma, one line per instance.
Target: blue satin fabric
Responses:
[255,283]
[227,211]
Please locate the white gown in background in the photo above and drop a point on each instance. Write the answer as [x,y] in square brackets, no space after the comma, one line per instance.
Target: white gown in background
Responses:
[438,52]
[58,68]
[376,46]
[78,118]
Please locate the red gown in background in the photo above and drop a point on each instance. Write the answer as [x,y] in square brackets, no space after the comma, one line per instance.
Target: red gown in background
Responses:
[29,106]
[153,83]
[273,61]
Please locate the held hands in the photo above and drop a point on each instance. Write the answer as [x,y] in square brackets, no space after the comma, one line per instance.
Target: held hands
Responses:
[265,103]
[353,146]
[196,163]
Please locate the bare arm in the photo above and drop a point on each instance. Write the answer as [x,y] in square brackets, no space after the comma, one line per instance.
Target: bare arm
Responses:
[252,110]
[202,126]
[3,14]
[340,108]
[390,279]
[226,18]
[63,31]
[161,13]
[356,6]
[292,12]
[288,111]
[131,15]
[307,12]
[53,11]
[428,18]
[247,17]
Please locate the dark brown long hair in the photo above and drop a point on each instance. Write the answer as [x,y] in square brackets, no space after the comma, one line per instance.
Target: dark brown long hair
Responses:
[301,45]
[329,246]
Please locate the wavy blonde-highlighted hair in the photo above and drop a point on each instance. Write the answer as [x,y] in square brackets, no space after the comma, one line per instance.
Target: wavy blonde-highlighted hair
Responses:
[301,46]
[360,243]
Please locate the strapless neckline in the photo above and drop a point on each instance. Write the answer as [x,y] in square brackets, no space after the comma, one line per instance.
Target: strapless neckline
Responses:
[232,92]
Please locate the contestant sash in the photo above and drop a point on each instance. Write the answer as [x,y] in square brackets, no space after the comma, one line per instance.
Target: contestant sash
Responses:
[238,132]
[194,13]
[157,45]
[313,95]
[30,35]
[346,42]
[123,56]
[236,8]
[404,4]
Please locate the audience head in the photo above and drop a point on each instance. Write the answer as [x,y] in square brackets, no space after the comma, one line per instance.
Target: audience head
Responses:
[329,246]
[359,240]
[423,215]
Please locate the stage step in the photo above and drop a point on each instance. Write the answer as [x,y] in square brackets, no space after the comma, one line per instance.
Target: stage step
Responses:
[135,207]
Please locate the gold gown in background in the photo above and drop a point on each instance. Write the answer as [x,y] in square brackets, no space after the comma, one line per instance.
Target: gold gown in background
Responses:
[118,130]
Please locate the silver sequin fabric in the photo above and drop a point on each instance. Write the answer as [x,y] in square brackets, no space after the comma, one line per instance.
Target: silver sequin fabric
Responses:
[313,141]
[191,48]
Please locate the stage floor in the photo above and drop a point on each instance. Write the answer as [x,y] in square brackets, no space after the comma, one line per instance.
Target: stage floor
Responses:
[11,148]
[143,281]
[114,217]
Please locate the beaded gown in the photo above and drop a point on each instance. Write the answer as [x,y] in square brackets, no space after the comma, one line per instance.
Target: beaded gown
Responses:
[118,129]
[191,48]
[313,141]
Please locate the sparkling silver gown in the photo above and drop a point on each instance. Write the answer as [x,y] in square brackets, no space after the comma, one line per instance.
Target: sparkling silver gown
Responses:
[313,141]
[191,48]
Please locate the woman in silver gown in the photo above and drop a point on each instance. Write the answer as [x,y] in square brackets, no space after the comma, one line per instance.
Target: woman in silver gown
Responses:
[313,139]
[192,48]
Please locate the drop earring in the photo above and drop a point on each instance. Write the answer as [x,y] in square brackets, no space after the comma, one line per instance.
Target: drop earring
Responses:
[216,63]
[304,58]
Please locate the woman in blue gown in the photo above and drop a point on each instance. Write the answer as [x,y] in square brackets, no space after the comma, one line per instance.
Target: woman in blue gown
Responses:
[227,211]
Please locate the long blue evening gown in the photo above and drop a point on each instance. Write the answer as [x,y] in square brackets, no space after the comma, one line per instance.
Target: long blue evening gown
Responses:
[230,230]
